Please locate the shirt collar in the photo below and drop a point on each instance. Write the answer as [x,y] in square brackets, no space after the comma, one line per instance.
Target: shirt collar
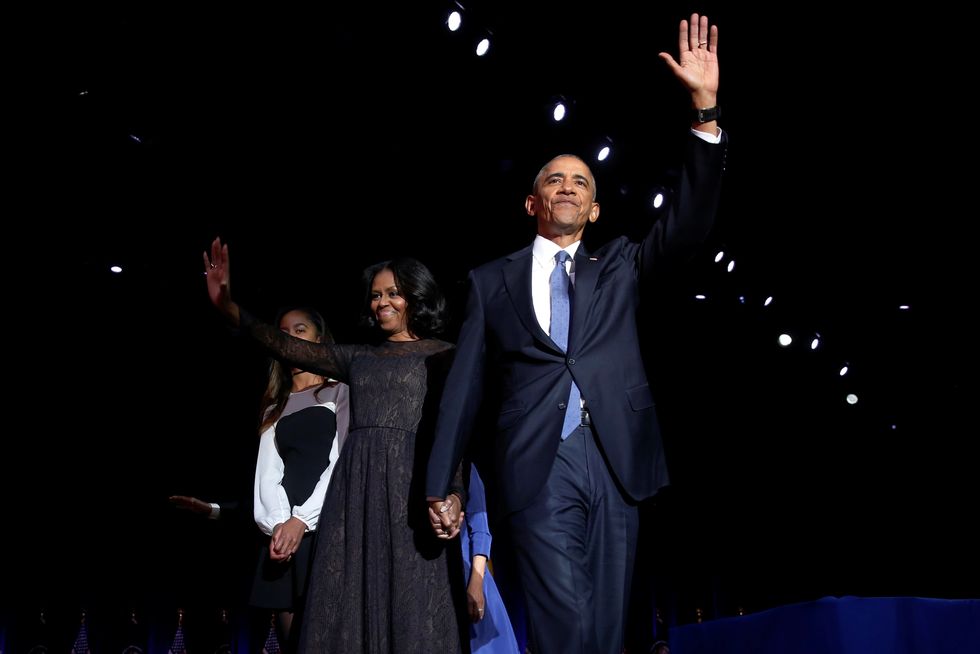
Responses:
[544,251]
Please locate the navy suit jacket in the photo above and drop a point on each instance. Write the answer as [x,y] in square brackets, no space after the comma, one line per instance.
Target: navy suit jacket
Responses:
[504,358]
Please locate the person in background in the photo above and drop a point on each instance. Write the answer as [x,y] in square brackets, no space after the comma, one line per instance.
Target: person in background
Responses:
[303,429]
[212,510]
[491,631]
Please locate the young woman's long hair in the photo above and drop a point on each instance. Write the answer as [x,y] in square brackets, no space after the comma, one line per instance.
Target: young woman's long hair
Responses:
[280,383]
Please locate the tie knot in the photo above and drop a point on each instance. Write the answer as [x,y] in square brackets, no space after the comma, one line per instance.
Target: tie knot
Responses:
[562,257]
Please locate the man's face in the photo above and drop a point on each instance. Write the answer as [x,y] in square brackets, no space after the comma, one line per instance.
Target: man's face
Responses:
[564,198]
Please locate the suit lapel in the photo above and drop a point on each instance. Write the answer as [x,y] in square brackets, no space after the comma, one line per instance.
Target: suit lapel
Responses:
[517,280]
[586,276]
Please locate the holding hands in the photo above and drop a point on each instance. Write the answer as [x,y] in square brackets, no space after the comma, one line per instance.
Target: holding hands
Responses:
[445,516]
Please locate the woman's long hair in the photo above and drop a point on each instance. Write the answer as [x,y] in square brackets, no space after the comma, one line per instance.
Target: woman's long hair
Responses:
[280,383]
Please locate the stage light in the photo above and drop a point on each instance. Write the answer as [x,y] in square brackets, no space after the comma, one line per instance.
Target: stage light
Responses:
[482,47]
[785,339]
[767,302]
[843,370]
[559,111]
[658,200]
[719,256]
[603,153]
[731,265]
[115,269]
[852,398]
[454,21]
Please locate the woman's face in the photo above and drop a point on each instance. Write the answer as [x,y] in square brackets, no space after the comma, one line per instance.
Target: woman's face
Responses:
[298,324]
[390,309]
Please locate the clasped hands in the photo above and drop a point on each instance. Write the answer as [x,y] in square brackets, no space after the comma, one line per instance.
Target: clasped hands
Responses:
[446,516]
[286,537]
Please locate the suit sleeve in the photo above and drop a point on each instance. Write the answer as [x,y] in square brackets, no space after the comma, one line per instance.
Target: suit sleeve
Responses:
[676,237]
[460,399]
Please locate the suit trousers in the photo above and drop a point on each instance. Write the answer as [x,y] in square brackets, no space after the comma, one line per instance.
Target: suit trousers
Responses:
[575,546]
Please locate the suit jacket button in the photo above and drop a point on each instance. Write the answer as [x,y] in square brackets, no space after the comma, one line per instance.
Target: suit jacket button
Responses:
[562,405]
[571,362]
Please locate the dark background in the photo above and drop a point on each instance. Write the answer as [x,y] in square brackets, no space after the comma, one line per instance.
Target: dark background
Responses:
[316,143]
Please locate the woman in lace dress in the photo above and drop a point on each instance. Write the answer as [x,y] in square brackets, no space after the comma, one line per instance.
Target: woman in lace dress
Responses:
[381,582]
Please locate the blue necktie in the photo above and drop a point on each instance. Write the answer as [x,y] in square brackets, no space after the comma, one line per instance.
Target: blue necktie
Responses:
[561,311]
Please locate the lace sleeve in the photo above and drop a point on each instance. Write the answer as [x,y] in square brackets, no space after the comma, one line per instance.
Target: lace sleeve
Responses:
[321,358]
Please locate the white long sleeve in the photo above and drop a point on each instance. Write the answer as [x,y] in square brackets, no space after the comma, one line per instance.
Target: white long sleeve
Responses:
[271,503]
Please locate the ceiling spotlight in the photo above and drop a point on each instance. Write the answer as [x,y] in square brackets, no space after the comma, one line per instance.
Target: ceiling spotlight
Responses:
[843,370]
[904,307]
[454,21]
[700,296]
[731,265]
[785,339]
[559,111]
[115,269]
[658,200]
[767,302]
[852,398]
[719,256]
[482,47]
[603,153]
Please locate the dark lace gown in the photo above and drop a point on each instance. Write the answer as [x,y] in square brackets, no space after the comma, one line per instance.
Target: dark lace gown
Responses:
[380,582]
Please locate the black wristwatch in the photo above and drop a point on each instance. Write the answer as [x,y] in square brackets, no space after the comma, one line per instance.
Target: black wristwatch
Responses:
[707,114]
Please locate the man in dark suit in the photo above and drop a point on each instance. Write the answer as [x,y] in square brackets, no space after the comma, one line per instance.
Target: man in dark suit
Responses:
[550,340]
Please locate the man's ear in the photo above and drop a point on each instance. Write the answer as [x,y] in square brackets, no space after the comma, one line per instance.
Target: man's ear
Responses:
[594,214]
[529,205]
